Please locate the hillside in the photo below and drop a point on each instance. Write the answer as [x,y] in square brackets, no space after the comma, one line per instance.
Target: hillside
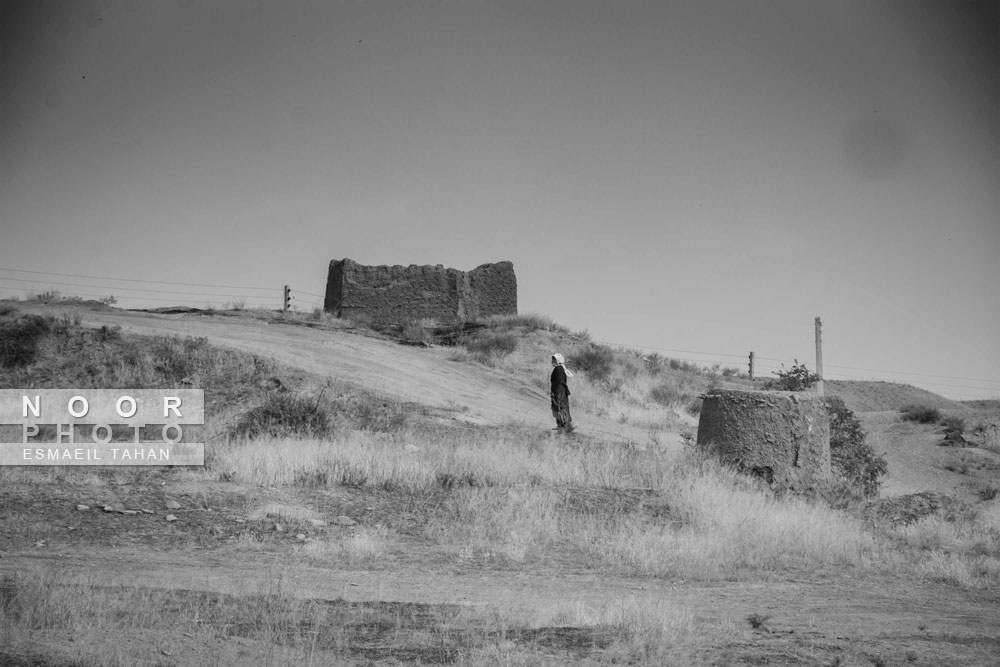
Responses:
[463,392]
[876,396]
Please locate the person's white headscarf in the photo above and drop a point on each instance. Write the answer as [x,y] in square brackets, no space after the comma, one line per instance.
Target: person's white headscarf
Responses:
[559,360]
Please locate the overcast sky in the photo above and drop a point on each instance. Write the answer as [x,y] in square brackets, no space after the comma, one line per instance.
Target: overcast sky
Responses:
[696,176]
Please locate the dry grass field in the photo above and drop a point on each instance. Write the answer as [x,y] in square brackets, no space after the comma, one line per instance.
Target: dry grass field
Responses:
[371,497]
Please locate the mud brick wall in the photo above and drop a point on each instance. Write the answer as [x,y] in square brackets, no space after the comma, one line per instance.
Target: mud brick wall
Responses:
[402,293]
[783,437]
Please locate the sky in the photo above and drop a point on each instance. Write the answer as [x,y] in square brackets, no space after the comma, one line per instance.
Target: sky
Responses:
[701,178]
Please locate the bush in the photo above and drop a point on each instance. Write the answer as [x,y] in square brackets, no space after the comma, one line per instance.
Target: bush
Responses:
[694,407]
[528,321]
[596,360]
[852,458]
[283,415]
[953,425]
[920,413]
[19,339]
[667,393]
[988,492]
[798,378]
[415,333]
[500,344]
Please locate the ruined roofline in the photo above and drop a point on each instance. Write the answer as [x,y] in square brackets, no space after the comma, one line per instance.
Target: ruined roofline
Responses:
[417,266]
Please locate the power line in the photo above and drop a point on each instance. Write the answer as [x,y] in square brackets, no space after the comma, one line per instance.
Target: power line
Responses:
[309,293]
[130,289]
[947,377]
[147,298]
[773,369]
[134,280]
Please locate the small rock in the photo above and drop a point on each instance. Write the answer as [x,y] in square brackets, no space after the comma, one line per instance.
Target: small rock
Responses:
[148,511]
[171,517]
[301,537]
[279,528]
[130,512]
[344,521]
[172,505]
[108,508]
[83,507]
[317,523]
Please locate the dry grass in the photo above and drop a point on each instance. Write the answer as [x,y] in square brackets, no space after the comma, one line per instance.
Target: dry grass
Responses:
[962,550]
[511,498]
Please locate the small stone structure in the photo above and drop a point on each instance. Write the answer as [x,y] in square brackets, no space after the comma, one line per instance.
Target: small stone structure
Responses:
[781,436]
[403,293]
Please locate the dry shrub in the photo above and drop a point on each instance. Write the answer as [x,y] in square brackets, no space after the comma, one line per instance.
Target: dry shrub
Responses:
[921,414]
[596,360]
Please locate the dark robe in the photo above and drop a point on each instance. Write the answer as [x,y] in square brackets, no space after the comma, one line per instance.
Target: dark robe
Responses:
[560,399]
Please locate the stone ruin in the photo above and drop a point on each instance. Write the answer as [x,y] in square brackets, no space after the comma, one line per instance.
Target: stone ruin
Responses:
[403,293]
[780,436]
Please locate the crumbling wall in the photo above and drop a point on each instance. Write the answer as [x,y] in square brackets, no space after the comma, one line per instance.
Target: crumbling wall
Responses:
[783,437]
[401,293]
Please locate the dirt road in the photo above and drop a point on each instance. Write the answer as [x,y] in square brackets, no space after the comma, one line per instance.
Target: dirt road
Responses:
[810,619]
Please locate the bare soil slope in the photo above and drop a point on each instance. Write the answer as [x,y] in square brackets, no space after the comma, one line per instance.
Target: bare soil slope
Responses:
[872,396]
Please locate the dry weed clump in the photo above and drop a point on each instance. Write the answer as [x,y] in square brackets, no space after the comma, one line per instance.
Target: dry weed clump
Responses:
[962,549]
[921,414]
[726,526]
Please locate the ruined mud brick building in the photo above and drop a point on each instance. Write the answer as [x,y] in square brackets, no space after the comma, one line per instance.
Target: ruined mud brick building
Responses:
[402,293]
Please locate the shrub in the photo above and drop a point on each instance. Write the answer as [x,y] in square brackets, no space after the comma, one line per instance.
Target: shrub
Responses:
[414,333]
[797,378]
[671,392]
[694,407]
[596,360]
[529,321]
[283,415]
[852,458]
[953,425]
[19,339]
[500,344]
[921,414]
[988,492]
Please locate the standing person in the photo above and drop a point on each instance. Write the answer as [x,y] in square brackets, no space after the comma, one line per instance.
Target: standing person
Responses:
[560,394]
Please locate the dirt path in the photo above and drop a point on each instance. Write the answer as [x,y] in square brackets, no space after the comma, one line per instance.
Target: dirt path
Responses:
[810,619]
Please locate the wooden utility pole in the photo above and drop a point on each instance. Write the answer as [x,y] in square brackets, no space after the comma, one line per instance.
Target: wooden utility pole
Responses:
[751,364]
[819,356]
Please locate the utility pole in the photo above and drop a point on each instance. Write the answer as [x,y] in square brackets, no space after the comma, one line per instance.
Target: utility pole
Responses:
[751,364]
[288,300]
[819,356]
